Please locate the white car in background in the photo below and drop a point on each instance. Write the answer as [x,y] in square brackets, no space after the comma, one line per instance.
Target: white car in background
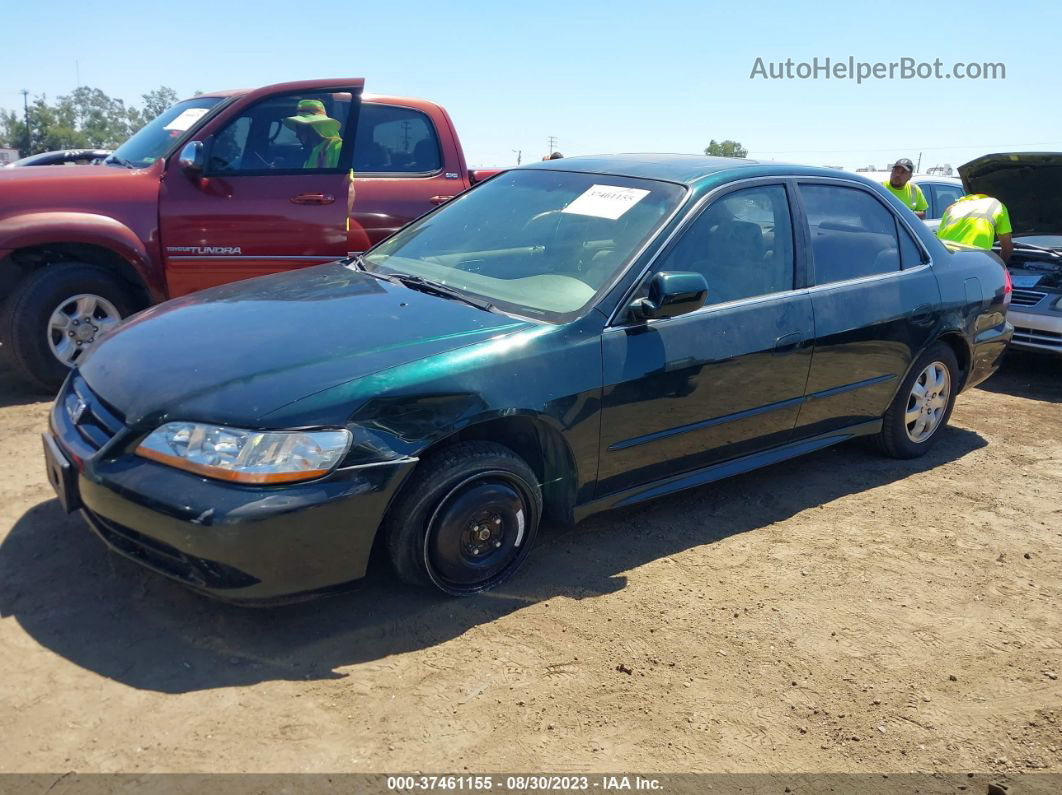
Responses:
[939,192]
[1030,186]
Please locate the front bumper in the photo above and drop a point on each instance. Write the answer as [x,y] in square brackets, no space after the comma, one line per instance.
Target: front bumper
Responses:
[238,543]
[1037,330]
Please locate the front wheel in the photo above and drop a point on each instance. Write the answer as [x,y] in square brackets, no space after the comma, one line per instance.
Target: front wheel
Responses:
[466,521]
[56,315]
[922,405]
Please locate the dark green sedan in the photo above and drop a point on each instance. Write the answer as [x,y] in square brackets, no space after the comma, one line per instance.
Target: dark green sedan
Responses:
[565,338]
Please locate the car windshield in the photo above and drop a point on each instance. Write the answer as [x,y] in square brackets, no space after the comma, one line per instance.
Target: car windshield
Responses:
[156,137]
[534,242]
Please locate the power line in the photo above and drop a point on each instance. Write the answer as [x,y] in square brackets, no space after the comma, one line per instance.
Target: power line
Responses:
[898,146]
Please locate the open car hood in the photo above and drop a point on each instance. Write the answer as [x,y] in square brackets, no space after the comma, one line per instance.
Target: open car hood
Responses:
[1028,183]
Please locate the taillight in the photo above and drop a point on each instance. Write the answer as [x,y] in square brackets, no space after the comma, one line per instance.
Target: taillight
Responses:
[1008,286]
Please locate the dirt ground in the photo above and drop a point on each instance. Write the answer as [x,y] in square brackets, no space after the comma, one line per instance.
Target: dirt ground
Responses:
[842,612]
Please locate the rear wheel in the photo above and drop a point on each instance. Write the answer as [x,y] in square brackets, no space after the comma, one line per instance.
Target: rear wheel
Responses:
[922,405]
[55,316]
[466,521]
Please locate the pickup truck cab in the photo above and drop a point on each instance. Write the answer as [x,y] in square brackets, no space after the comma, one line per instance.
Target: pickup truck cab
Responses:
[221,187]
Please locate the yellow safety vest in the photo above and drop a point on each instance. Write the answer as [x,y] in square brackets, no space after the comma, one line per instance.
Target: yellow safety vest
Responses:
[974,220]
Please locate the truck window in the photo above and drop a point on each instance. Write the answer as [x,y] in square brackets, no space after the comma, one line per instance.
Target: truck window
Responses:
[394,140]
[291,133]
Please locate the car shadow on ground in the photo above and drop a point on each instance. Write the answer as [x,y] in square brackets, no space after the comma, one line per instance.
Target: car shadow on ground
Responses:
[14,391]
[1037,376]
[109,616]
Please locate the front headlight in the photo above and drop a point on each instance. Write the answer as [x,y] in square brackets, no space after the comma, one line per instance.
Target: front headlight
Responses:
[246,456]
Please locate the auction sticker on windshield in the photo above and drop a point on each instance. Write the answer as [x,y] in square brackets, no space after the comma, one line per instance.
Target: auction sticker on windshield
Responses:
[186,119]
[606,201]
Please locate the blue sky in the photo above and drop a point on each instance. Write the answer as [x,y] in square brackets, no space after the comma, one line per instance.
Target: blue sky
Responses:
[601,77]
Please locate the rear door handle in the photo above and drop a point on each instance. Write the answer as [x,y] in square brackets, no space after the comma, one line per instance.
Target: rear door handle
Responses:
[440,199]
[313,198]
[788,342]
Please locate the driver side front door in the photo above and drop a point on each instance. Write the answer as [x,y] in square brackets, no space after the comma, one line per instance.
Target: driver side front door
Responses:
[259,206]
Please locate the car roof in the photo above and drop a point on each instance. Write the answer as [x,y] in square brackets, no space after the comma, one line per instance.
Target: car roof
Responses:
[881,176]
[684,169]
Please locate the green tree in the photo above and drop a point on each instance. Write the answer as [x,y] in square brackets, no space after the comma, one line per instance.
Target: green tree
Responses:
[155,102]
[726,148]
[84,118]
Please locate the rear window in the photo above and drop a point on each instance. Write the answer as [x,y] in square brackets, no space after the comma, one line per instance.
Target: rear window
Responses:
[394,140]
[852,234]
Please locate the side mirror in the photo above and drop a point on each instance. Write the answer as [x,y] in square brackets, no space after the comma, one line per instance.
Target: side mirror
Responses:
[671,293]
[192,158]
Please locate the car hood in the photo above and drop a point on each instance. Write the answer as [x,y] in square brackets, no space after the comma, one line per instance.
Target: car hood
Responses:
[1028,183]
[235,353]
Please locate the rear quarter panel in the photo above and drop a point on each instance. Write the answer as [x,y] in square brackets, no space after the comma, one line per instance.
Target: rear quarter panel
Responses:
[972,285]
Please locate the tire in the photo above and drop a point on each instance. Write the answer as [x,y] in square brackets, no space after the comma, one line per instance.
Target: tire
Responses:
[913,422]
[29,311]
[467,519]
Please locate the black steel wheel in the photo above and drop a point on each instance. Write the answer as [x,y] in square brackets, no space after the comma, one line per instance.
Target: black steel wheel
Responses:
[467,520]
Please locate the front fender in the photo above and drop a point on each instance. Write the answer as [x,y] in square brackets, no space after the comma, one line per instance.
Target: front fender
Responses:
[71,227]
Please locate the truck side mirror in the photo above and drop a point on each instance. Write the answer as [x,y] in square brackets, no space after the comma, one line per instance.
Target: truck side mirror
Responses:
[671,294]
[192,158]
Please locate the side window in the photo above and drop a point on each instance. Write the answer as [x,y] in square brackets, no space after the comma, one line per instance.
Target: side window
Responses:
[285,133]
[927,191]
[742,243]
[946,195]
[852,233]
[910,253]
[394,140]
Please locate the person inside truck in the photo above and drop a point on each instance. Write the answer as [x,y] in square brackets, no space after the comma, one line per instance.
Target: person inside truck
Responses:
[317,132]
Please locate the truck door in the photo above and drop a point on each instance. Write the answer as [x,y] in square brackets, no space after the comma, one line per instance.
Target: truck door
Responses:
[404,165]
[272,193]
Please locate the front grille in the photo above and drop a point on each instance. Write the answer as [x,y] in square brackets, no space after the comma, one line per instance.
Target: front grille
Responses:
[167,559]
[1026,297]
[96,422]
[1031,336]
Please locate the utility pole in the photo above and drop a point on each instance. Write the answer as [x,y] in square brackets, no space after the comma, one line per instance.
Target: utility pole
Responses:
[519,154]
[25,111]
[919,166]
[552,146]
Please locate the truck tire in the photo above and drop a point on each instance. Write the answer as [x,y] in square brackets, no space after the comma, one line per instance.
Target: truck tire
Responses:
[54,316]
[466,520]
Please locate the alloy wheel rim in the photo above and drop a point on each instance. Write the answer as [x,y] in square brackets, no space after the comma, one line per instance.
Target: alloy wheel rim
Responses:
[928,402]
[76,323]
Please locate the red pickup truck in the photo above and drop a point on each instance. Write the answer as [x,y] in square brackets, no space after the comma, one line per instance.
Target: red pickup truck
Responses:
[220,187]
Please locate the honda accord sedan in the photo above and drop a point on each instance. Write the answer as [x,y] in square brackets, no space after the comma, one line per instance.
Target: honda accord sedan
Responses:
[566,338]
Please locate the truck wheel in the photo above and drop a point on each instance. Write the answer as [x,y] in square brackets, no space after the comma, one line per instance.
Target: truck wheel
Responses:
[55,315]
[922,405]
[466,520]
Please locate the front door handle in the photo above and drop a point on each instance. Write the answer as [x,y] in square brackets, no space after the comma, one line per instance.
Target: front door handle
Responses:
[440,199]
[788,342]
[313,198]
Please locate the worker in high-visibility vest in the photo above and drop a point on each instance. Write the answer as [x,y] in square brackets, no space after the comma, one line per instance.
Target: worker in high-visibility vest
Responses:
[317,132]
[975,221]
[899,185]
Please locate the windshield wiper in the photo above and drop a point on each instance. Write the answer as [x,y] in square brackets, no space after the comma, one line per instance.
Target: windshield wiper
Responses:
[1033,247]
[113,158]
[441,290]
